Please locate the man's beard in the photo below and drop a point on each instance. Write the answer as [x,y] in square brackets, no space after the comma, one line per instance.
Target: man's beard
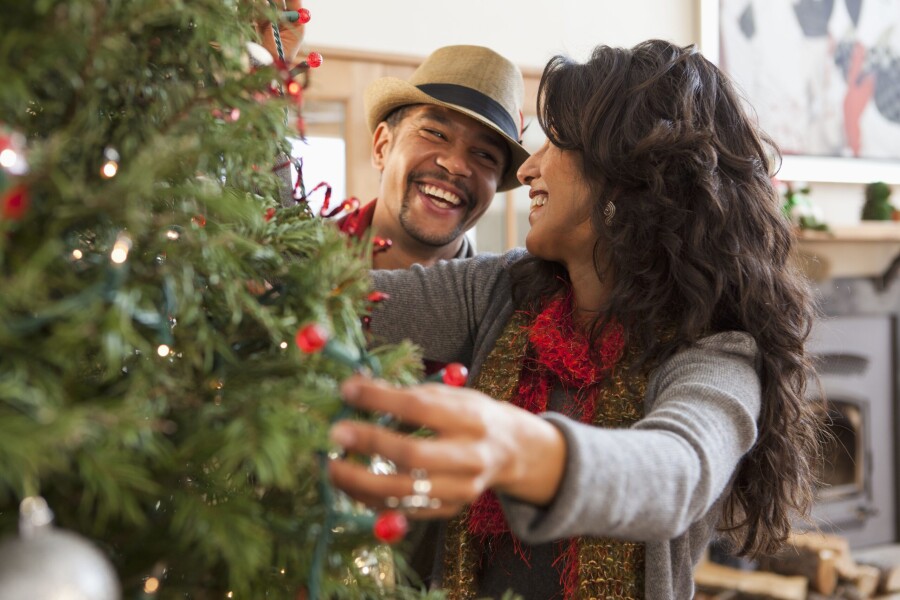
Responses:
[435,240]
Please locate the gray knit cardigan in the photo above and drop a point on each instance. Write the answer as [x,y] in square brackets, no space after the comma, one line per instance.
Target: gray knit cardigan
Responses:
[661,481]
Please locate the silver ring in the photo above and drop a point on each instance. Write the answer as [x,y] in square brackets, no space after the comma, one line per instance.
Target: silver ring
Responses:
[420,497]
[416,501]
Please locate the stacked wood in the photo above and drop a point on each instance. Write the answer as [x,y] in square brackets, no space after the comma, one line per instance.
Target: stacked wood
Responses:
[720,581]
[886,559]
[818,565]
[826,560]
[812,566]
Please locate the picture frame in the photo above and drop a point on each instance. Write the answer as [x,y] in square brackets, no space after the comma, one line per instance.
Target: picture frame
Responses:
[799,166]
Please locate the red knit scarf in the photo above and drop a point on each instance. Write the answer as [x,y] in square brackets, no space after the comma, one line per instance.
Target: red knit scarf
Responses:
[557,353]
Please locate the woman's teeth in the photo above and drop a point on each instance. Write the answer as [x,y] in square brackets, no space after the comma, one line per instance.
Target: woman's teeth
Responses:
[538,201]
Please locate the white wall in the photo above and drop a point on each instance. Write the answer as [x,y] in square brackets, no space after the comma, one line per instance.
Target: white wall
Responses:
[529,32]
[526,31]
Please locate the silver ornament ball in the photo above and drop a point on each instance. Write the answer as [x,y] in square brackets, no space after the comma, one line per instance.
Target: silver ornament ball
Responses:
[45,563]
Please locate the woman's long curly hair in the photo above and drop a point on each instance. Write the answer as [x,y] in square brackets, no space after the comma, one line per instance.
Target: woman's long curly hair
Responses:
[697,245]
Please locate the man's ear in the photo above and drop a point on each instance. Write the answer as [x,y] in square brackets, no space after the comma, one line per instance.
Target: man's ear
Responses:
[381,141]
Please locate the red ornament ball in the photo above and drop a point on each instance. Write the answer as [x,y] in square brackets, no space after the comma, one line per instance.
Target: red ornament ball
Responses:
[15,203]
[390,526]
[199,220]
[304,16]
[455,374]
[314,60]
[270,213]
[377,296]
[311,338]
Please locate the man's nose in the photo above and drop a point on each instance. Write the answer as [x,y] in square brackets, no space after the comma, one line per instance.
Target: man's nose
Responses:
[455,160]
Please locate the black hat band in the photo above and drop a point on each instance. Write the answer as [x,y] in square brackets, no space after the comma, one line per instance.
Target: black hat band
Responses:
[473,100]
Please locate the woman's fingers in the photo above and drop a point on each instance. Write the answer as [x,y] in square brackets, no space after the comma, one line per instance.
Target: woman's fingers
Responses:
[452,456]
[479,443]
[422,497]
[441,408]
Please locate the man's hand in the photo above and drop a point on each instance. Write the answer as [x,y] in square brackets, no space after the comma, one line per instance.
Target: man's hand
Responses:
[291,33]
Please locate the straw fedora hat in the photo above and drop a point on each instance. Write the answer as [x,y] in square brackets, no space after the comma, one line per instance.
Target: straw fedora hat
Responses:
[472,80]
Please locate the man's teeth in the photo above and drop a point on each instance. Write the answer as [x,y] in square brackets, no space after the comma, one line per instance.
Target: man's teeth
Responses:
[441,194]
[538,201]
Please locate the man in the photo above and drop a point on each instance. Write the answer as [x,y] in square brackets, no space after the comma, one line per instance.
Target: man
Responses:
[445,142]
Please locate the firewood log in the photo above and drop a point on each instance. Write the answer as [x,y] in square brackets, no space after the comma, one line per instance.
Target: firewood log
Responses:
[749,585]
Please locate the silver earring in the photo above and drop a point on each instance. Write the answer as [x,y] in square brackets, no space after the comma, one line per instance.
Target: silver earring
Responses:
[609,212]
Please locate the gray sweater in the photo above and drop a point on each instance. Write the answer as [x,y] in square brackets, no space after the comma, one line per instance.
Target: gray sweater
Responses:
[660,482]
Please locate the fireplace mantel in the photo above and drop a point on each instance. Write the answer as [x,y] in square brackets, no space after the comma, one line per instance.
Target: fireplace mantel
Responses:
[869,249]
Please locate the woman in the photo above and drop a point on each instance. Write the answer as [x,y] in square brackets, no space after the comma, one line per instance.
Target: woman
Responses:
[648,350]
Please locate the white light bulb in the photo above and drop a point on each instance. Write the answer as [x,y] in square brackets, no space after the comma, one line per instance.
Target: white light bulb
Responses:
[109,169]
[8,158]
[120,249]
[163,350]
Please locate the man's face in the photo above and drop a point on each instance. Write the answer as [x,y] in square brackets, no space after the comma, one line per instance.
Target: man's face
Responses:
[439,171]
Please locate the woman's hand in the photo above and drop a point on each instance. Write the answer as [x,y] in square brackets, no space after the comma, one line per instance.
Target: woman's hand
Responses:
[291,33]
[478,444]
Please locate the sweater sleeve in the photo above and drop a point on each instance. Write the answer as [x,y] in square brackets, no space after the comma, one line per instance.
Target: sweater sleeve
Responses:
[651,482]
[440,308]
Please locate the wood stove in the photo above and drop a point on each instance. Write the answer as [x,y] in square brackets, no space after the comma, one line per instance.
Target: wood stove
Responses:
[855,362]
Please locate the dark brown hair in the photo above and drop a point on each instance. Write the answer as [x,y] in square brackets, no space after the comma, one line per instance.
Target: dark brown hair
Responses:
[697,245]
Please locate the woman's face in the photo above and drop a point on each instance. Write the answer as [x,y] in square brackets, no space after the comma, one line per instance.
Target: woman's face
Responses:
[561,202]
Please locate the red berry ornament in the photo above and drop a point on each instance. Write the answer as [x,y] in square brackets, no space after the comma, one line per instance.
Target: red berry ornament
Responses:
[15,203]
[381,244]
[377,296]
[270,213]
[390,526]
[314,60]
[455,374]
[304,16]
[311,338]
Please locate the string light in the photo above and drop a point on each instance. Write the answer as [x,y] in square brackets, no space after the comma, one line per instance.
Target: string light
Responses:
[77,254]
[111,165]
[151,586]
[283,345]
[172,234]
[120,249]
[109,169]
[8,158]
[163,350]
[12,155]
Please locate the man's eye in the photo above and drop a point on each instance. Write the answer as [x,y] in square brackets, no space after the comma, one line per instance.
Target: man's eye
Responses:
[487,156]
[436,133]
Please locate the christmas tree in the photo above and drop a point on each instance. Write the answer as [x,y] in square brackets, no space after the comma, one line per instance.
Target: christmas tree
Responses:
[156,301]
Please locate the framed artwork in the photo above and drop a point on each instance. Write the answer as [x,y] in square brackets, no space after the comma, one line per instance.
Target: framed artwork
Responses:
[822,75]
